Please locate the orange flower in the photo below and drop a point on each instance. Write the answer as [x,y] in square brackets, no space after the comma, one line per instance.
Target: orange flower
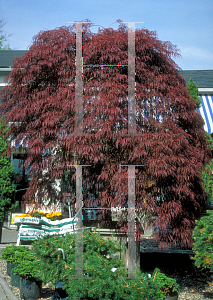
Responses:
[53,214]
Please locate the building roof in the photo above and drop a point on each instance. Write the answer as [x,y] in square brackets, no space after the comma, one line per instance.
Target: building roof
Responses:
[7,57]
[202,78]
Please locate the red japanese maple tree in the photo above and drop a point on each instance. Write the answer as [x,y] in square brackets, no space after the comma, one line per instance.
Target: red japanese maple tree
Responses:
[170,145]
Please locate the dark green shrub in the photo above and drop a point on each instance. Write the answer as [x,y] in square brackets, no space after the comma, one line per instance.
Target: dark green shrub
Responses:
[11,253]
[95,249]
[143,288]
[203,242]
[166,285]
[7,176]
[98,263]
[157,286]
[23,257]
[27,265]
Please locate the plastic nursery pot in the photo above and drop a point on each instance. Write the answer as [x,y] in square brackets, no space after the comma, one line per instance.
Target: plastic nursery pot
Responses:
[59,292]
[15,280]
[10,266]
[174,297]
[30,289]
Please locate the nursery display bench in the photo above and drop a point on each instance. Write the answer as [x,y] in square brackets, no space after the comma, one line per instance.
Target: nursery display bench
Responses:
[31,228]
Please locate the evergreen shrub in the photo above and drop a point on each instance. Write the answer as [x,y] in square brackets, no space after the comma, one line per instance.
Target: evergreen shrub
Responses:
[203,242]
[27,266]
[12,253]
[7,177]
[22,256]
[104,274]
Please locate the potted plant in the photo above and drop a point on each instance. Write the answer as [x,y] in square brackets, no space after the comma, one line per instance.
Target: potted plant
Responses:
[10,255]
[168,286]
[104,275]
[30,283]
[56,260]
[19,258]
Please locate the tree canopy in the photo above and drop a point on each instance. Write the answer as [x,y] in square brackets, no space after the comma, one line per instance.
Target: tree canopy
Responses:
[40,98]
[3,37]
[193,92]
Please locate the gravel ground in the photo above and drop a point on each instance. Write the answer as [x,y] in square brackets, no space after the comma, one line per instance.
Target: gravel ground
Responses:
[195,288]
[192,287]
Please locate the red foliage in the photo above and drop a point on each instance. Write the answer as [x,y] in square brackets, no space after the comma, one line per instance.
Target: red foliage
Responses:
[172,147]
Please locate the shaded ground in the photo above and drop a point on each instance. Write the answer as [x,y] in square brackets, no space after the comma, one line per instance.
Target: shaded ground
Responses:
[193,283]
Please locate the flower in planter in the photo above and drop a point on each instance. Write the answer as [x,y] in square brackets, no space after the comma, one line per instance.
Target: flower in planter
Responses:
[37,214]
[54,216]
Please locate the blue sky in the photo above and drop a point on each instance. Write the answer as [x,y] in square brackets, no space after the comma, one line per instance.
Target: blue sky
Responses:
[186,23]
